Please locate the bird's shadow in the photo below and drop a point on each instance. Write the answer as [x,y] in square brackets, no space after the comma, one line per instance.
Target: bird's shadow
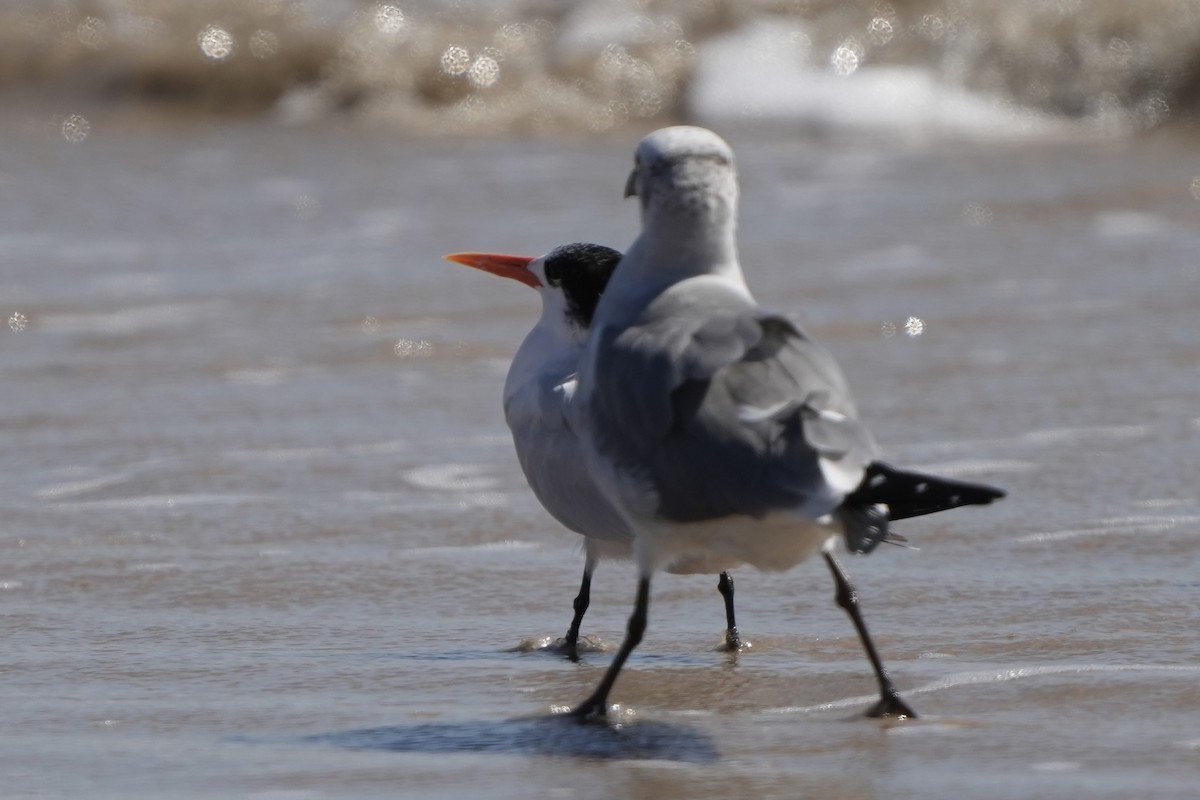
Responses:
[548,735]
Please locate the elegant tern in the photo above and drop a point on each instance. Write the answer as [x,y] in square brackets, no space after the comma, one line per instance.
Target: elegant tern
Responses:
[540,382]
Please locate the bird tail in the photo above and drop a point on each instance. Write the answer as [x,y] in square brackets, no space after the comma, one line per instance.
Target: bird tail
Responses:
[903,494]
[914,494]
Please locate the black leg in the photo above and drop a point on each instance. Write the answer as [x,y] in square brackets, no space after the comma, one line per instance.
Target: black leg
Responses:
[571,640]
[733,639]
[597,705]
[890,704]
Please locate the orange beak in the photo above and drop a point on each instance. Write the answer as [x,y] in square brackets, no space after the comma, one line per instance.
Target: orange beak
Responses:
[515,267]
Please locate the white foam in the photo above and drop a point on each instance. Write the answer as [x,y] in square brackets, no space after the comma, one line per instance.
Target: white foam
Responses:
[1055,435]
[978,466]
[508,546]
[1128,224]
[1083,533]
[453,477]
[1167,502]
[484,500]
[1147,519]
[380,448]
[72,488]
[762,72]
[982,677]
[1122,526]
[166,501]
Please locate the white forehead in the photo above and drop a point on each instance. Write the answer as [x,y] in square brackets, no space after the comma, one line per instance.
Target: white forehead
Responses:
[538,268]
[683,141]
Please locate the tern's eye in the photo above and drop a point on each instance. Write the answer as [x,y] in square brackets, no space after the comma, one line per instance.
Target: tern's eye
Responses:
[553,273]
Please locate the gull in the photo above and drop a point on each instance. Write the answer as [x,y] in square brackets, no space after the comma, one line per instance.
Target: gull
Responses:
[721,432]
[539,385]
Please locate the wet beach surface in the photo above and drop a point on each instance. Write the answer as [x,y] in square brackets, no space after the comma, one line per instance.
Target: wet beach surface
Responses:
[264,534]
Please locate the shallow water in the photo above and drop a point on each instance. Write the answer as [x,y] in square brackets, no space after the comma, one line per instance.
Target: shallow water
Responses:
[264,535]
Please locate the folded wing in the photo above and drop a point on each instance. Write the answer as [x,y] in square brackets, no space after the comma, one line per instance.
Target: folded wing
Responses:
[718,408]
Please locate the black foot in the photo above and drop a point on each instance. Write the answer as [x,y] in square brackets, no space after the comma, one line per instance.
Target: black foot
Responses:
[891,705]
[733,641]
[572,649]
[590,711]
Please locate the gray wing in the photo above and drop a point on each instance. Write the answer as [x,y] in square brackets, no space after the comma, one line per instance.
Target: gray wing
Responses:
[719,408]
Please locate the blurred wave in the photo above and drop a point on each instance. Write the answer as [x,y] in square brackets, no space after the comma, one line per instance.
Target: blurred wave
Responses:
[454,66]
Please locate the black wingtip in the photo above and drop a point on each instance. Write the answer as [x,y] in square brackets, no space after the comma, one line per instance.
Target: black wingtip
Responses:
[914,494]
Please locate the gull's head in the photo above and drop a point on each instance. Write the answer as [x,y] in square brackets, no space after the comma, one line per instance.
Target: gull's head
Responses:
[687,172]
[570,280]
